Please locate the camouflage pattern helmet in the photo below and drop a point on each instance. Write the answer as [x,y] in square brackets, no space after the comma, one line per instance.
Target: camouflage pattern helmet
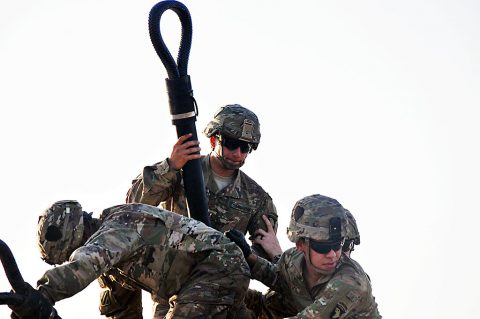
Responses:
[235,121]
[60,231]
[317,217]
[352,230]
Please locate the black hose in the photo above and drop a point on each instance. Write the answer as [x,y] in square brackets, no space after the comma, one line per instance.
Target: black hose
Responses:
[182,104]
[10,298]
[11,269]
[19,286]
[178,69]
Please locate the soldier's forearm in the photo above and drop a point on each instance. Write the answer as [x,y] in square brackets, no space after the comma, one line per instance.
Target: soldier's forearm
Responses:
[252,259]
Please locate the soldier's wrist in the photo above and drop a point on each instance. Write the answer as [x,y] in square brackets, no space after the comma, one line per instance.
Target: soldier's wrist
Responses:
[171,168]
[251,259]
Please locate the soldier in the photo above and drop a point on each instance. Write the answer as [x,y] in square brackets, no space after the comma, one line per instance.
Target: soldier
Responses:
[234,199]
[269,242]
[141,247]
[313,279]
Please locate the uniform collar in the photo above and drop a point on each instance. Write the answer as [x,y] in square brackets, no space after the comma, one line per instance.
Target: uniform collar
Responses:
[301,264]
[232,190]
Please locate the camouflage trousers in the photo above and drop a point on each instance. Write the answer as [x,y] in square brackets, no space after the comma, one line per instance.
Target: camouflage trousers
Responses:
[117,302]
[133,308]
[221,298]
[215,289]
[206,311]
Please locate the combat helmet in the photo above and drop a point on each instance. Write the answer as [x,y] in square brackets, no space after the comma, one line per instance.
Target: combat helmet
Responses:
[235,121]
[317,217]
[353,235]
[60,231]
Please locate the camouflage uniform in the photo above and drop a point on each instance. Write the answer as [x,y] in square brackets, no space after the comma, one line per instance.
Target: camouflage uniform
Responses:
[346,293]
[341,292]
[240,205]
[144,247]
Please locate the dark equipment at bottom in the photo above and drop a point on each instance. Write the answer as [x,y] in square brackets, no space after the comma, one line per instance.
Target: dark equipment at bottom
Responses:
[24,300]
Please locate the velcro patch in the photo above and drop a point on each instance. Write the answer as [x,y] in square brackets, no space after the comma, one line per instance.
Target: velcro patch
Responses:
[353,296]
[339,310]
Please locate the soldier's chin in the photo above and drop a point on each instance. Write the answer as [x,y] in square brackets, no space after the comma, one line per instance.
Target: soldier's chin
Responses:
[232,165]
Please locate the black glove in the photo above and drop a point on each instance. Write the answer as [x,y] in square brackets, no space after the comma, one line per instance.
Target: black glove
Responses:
[34,306]
[238,238]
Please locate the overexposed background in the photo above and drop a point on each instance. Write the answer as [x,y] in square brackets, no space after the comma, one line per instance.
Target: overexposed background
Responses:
[374,103]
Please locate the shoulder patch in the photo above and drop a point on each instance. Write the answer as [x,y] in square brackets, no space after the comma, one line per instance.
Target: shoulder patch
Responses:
[339,310]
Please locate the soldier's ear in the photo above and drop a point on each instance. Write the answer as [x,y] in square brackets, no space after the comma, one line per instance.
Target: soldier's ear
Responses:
[300,244]
[213,141]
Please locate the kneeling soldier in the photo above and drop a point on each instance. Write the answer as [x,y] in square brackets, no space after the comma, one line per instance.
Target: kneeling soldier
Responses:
[313,279]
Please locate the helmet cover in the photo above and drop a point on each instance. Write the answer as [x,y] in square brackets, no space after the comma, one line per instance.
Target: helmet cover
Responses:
[317,217]
[235,121]
[352,229]
[60,231]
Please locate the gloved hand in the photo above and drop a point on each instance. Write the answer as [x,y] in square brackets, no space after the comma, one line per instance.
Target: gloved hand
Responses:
[238,238]
[34,306]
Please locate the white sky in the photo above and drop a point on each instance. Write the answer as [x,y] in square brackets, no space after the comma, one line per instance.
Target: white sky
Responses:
[373,103]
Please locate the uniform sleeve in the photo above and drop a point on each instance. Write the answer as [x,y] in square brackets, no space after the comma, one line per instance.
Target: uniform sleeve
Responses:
[266,272]
[267,208]
[271,305]
[106,248]
[336,300]
[67,280]
[155,185]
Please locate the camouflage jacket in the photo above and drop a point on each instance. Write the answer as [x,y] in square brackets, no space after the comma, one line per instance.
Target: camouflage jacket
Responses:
[141,246]
[239,205]
[346,293]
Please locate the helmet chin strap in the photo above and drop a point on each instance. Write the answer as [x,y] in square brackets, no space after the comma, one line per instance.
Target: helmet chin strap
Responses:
[91,226]
[315,268]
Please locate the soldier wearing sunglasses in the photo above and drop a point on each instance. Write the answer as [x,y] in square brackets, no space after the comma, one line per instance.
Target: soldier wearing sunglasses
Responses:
[314,279]
[235,200]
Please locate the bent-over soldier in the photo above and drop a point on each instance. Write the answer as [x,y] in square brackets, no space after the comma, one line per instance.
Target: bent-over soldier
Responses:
[143,247]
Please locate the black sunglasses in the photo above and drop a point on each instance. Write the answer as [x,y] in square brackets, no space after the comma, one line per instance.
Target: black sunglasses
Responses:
[325,247]
[232,144]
